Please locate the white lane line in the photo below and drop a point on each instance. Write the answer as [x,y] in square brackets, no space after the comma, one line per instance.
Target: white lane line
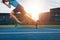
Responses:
[25,32]
[52,29]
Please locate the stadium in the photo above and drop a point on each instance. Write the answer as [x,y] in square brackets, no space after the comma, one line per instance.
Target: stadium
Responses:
[47,27]
[31,20]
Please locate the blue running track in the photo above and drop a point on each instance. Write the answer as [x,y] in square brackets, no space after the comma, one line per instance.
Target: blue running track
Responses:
[28,33]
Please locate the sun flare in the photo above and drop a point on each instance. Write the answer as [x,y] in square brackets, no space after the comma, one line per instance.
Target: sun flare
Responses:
[34,8]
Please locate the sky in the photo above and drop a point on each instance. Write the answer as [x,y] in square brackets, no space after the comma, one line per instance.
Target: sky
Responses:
[32,5]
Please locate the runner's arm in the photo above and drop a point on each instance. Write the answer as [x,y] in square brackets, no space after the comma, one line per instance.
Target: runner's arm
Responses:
[7,4]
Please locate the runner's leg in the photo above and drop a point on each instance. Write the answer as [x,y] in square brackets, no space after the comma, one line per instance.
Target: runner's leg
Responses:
[12,14]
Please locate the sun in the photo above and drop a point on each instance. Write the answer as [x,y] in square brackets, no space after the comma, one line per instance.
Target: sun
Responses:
[34,11]
[34,8]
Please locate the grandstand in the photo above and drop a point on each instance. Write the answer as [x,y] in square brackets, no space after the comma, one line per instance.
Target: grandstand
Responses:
[6,19]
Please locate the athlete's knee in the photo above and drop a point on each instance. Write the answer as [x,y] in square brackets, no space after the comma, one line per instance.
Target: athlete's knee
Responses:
[12,13]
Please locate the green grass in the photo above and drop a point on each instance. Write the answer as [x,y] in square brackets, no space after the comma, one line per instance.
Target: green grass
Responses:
[11,26]
[29,26]
[7,25]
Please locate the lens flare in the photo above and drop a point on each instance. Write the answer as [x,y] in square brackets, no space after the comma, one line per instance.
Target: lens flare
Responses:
[34,7]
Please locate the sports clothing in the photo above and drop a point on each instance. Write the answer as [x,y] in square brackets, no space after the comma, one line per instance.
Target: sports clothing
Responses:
[13,2]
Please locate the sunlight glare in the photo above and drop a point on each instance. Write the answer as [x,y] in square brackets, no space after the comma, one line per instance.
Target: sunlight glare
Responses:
[34,8]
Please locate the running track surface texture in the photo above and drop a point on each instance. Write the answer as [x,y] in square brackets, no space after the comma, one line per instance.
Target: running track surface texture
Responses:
[30,33]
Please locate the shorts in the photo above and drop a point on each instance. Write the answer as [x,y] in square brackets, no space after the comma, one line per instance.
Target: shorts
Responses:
[19,8]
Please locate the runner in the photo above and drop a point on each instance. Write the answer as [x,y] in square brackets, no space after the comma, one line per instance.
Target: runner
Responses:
[18,8]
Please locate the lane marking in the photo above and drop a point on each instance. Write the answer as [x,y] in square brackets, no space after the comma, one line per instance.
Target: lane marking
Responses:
[25,32]
[52,29]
